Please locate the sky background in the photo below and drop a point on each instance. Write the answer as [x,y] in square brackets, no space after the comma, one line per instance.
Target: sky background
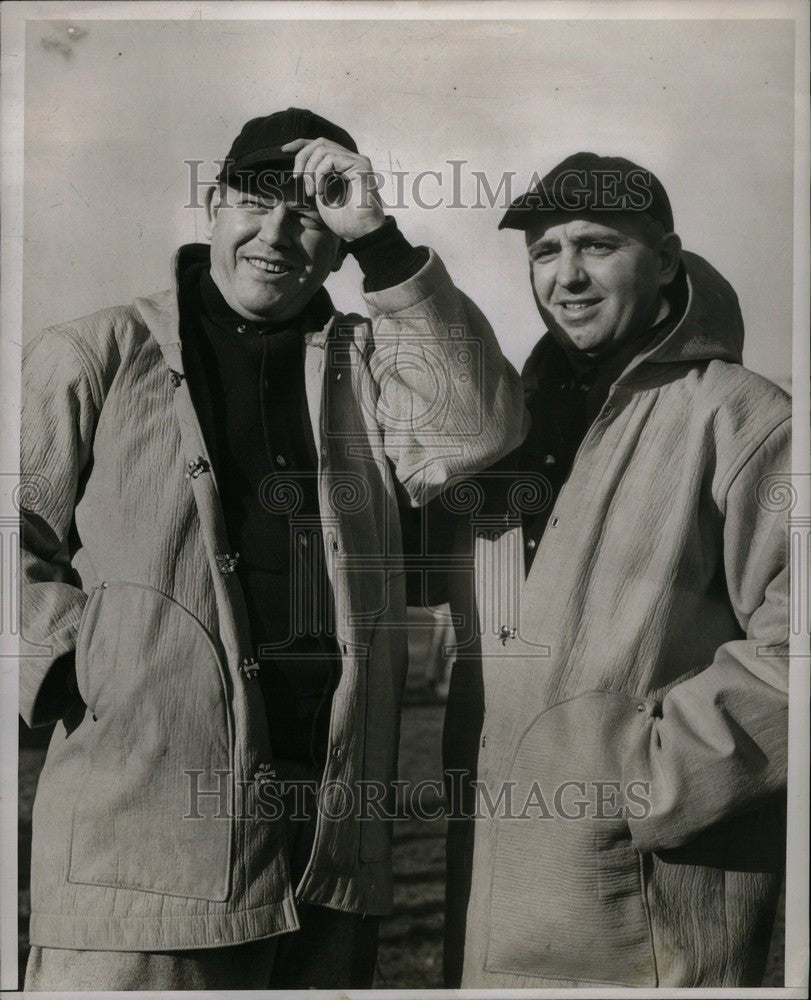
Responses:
[114,108]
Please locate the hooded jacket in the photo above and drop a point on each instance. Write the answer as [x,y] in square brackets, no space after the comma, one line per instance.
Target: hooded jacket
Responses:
[617,722]
[155,825]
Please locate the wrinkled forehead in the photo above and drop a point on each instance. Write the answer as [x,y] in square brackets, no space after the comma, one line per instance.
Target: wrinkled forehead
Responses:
[562,225]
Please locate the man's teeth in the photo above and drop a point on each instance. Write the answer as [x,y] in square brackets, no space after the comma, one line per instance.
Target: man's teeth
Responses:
[576,306]
[265,265]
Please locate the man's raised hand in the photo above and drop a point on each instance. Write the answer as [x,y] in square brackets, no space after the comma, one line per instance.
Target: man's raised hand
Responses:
[343,184]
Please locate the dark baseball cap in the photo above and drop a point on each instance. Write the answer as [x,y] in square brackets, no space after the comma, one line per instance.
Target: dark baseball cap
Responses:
[260,141]
[586,182]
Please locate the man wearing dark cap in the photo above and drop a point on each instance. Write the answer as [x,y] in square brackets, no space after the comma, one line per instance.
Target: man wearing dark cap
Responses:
[615,738]
[213,590]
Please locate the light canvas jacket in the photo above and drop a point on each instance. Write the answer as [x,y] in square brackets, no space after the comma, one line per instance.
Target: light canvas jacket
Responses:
[647,645]
[127,562]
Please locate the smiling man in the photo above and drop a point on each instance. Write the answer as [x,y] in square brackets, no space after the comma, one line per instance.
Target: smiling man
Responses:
[615,736]
[213,587]
[598,281]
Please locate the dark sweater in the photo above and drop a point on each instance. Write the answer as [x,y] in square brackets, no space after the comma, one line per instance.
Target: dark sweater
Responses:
[247,382]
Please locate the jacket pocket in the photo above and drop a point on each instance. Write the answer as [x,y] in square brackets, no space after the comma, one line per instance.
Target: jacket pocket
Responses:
[567,893]
[161,740]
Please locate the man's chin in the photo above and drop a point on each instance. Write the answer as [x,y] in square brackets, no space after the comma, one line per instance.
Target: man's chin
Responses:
[267,309]
[587,345]
[577,341]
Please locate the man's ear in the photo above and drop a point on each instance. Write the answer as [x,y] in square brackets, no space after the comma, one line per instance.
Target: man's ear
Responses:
[669,258]
[211,203]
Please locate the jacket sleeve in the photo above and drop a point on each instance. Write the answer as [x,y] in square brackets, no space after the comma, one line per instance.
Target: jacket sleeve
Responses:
[718,745]
[58,418]
[448,401]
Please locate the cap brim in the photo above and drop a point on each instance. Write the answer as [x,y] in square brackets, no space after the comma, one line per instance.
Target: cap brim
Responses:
[519,214]
[273,158]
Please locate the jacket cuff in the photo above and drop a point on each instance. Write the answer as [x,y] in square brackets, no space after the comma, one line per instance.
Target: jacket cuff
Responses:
[430,278]
[386,257]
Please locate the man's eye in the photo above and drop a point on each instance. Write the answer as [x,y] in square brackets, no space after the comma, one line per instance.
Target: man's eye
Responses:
[250,204]
[540,256]
[600,246]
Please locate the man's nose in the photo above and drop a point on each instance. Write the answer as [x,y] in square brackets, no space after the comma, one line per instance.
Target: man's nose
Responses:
[571,273]
[275,228]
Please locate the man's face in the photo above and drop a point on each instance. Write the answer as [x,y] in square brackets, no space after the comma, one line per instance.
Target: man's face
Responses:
[597,282]
[270,252]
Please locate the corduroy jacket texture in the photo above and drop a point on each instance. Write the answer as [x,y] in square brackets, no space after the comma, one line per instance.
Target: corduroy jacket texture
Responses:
[629,698]
[126,561]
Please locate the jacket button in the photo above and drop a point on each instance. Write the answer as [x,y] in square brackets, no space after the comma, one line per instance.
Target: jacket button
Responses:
[227,563]
[323,451]
[554,522]
[531,543]
[281,461]
[264,773]
[242,328]
[549,460]
[249,667]
[196,467]
[640,707]
[337,753]
[505,633]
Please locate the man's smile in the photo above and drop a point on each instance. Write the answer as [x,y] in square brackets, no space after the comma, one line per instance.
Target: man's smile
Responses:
[269,266]
[578,308]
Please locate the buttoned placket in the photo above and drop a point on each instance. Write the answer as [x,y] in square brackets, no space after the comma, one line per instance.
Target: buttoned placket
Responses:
[232,614]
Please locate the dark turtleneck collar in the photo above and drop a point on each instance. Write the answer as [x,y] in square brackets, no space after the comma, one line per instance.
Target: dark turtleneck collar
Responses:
[194,265]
